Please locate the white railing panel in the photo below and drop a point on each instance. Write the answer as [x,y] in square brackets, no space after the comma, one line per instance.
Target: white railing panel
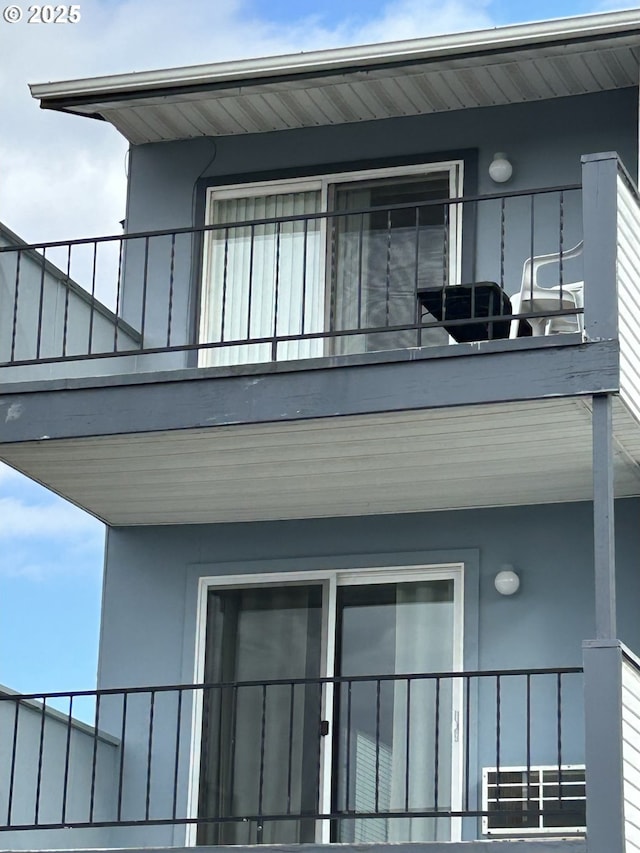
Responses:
[630,753]
[628,275]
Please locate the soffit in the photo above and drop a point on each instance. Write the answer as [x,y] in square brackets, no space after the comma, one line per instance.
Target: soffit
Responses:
[474,456]
[414,88]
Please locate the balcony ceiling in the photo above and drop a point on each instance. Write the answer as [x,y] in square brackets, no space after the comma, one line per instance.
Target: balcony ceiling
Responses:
[474,456]
[503,66]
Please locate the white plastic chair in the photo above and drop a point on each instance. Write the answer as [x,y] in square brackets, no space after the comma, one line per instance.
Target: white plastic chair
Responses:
[533,298]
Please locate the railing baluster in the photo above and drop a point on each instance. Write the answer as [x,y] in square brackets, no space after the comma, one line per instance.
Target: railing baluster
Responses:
[14,752]
[467,741]
[118,295]
[436,751]
[532,243]
[360,258]
[43,717]
[94,760]
[387,287]
[92,308]
[263,733]
[123,733]
[171,281]
[16,292]
[41,302]
[67,756]
[446,266]
[498,737]
[225,271]
[559,734]
[407,747]
[276,293]
[348,756]
[561,243]
[305,238]
[528,741]
[377,794]
[147,803]
[234,739]
[290,746]
[176,763]
[145,284]
[502,239]
[250,293]
[67,286]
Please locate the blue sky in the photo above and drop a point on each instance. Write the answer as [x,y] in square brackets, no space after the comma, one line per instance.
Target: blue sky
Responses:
[63,177]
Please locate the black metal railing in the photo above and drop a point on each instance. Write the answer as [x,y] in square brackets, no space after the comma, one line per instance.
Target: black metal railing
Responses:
[295,286]
[357,758]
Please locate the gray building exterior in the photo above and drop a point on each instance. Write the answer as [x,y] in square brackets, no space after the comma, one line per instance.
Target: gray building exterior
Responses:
[312,470]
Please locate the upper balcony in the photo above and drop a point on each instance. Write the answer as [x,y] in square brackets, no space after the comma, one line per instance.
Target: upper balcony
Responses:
[313,334]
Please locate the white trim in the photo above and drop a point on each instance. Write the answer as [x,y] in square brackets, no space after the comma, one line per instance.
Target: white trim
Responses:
[326,61]
[330,580]
[309,183]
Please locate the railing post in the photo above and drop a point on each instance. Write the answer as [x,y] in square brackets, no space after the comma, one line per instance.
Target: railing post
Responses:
[602,661]
[603,517]
[600,233]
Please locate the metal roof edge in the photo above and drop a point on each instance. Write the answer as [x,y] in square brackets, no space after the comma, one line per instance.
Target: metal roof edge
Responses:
[335,59]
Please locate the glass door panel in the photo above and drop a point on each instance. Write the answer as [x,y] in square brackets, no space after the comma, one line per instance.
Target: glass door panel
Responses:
[382,257]
[393,751]
[262,280]
[260,744]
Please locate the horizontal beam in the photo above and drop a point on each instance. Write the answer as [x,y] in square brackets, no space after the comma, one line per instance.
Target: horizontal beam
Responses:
[286,392]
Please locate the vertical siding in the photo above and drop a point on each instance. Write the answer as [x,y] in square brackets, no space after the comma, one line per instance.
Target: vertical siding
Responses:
[42,745]
[45,314]
[631,751]
[628,274]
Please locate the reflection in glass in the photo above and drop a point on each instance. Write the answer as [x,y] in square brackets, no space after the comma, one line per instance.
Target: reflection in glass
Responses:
[394,747]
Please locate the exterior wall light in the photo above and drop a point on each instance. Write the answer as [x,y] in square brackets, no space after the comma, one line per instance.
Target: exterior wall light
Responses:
[507,581]
[500,169]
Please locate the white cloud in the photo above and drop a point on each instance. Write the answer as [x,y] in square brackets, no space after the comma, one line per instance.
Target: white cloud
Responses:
[21,520]
[63,176]
[9,475]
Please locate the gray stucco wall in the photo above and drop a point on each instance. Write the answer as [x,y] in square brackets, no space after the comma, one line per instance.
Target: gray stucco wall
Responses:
[544,140]
[150,596]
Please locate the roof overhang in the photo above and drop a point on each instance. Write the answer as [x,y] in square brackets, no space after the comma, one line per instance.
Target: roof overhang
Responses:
[513,64]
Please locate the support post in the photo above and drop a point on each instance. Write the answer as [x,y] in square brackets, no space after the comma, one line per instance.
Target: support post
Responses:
[602,661]
[603,517]
[600,234]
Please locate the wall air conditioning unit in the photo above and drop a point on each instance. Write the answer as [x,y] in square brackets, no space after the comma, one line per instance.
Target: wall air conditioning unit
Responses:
[548,800]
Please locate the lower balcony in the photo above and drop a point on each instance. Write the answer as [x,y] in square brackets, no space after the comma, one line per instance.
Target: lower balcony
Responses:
[360,759]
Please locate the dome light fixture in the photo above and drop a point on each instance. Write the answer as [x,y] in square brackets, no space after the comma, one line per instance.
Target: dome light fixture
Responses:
[507,581]
[500,169]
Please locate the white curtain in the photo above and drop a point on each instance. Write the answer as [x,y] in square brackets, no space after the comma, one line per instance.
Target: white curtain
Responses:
[262,281]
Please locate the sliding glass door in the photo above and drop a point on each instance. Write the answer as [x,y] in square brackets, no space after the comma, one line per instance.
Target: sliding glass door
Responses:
[282,740]
[338,256]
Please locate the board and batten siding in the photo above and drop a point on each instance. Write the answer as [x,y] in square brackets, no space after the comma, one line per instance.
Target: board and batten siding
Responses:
[631,750]
[47,776]
[45,314]
[628,275]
